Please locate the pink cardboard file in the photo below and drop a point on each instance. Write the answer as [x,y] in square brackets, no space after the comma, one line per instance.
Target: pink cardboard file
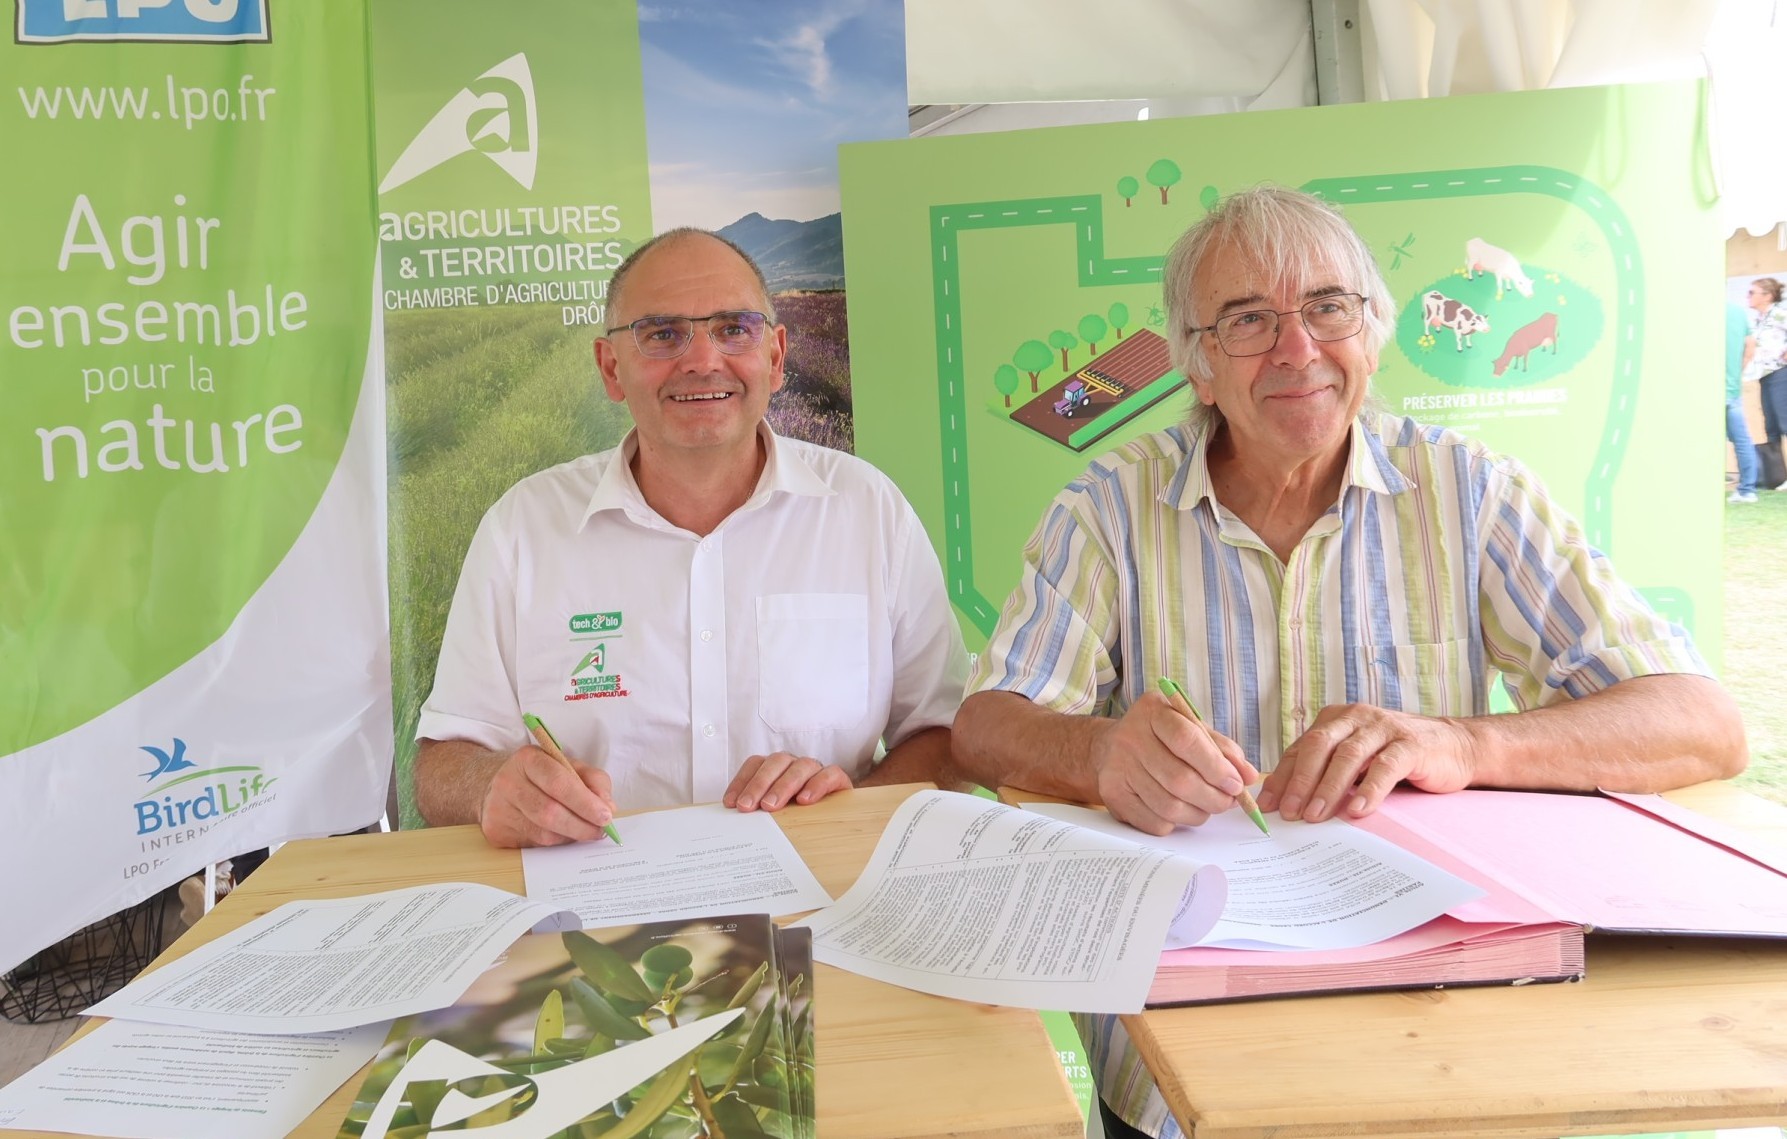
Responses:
[1617,865]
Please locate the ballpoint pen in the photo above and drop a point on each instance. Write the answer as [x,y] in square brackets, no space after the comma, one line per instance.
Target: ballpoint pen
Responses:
[543,736]
[1183,705]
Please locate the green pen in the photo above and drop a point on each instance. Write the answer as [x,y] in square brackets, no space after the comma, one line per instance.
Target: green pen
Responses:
[1185,708]
[543,736]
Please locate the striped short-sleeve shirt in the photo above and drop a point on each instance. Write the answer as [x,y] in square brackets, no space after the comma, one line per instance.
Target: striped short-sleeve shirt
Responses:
[1441,566]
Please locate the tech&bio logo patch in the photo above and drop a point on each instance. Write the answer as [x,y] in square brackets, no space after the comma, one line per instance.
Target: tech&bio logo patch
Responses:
[595,675]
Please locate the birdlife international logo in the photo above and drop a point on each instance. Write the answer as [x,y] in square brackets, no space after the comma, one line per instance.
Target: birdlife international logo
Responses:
[185,796]
[495,115]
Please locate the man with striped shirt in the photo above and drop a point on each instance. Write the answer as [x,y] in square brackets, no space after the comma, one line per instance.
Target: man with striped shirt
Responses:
[1335,586]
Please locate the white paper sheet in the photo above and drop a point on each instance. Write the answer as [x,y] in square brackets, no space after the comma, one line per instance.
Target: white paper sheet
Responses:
[1326,885]
[319,966]
[688,862]
[149,1081]
[971,899]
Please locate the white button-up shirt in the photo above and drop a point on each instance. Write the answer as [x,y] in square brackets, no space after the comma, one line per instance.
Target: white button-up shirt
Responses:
[813,620]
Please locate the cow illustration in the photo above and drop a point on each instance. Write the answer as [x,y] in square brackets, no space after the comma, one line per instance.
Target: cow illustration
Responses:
[1440,311]
[1541,333]
[1482,257]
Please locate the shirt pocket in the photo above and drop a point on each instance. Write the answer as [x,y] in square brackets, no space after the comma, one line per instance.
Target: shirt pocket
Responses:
[1428,679]
[812,660]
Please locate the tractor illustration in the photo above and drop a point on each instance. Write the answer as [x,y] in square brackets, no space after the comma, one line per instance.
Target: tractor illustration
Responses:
[1073,397]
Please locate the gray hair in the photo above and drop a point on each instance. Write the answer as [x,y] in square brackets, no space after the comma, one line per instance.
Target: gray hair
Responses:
[1294,236]
[618,282]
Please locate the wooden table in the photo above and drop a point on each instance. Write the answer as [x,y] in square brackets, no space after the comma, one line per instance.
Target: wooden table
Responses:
[893,1063]
[1664,1034]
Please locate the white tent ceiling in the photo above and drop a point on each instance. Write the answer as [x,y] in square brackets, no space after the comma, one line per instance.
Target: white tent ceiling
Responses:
[1004,64]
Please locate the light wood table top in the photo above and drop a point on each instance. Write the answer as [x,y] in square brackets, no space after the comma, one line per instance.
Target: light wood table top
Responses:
[893,1063]
[1664,1034]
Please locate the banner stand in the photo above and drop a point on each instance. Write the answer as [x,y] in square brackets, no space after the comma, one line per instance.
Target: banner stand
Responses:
[89,964]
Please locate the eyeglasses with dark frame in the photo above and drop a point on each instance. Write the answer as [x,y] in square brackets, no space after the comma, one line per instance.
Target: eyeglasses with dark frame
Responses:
[733,332]
[1330,317]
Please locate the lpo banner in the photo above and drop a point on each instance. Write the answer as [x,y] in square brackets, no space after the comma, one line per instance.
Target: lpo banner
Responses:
[193,649]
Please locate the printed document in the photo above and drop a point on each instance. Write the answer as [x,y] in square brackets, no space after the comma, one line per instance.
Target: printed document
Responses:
[321,966]
[150,1081]
[968,898]
[688,862]
[1326,885]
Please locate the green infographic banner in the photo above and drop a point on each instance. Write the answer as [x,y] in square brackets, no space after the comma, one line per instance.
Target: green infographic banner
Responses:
[1554,258]
[186,296]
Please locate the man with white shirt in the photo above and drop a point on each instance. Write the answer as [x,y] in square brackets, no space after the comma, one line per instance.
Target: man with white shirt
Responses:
[706,612]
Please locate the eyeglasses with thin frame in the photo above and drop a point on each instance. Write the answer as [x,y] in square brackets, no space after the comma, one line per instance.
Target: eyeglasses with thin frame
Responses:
[1332,316]
[733,331]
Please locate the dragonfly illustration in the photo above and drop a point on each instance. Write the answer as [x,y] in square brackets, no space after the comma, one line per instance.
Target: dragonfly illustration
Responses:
[165,761]
[1401,250]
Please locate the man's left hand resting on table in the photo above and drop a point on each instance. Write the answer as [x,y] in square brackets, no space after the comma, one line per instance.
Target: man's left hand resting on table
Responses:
[771,782]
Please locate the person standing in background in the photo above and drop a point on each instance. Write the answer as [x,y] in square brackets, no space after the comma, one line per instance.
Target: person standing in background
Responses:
[1769,363]
[1740,346]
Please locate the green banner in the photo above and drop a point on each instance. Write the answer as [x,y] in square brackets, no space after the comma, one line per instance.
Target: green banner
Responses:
[519,161]
[1554,257]
[513,180]
[187,317]
[176,345]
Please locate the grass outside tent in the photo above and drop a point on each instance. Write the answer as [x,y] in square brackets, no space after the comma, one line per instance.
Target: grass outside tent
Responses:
[1756,634]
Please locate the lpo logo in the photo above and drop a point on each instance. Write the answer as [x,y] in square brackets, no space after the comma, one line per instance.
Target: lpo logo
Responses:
[158,21]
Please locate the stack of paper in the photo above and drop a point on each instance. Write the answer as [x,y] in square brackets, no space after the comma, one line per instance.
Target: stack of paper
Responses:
[245,1036]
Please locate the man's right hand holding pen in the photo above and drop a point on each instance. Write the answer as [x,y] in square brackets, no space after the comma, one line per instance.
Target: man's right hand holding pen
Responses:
[541,797]
[1158,768]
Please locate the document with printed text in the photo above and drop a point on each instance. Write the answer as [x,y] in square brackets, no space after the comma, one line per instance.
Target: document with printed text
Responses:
[968,898]
[1326,885]
[321,966]
[152,1081]
[687,862]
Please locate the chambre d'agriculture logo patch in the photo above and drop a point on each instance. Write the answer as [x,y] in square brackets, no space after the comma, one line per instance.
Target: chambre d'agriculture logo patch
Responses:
[596,675]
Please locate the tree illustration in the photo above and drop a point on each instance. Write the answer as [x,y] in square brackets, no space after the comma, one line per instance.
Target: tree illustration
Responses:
[1005,378]
[1032,357]
[1164,174]
[1092,330]
[1119,315]
[1064,341]
[1207,198]
[1127,187]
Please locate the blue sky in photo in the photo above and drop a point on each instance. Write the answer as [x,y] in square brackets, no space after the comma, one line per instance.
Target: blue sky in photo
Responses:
[746,103]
